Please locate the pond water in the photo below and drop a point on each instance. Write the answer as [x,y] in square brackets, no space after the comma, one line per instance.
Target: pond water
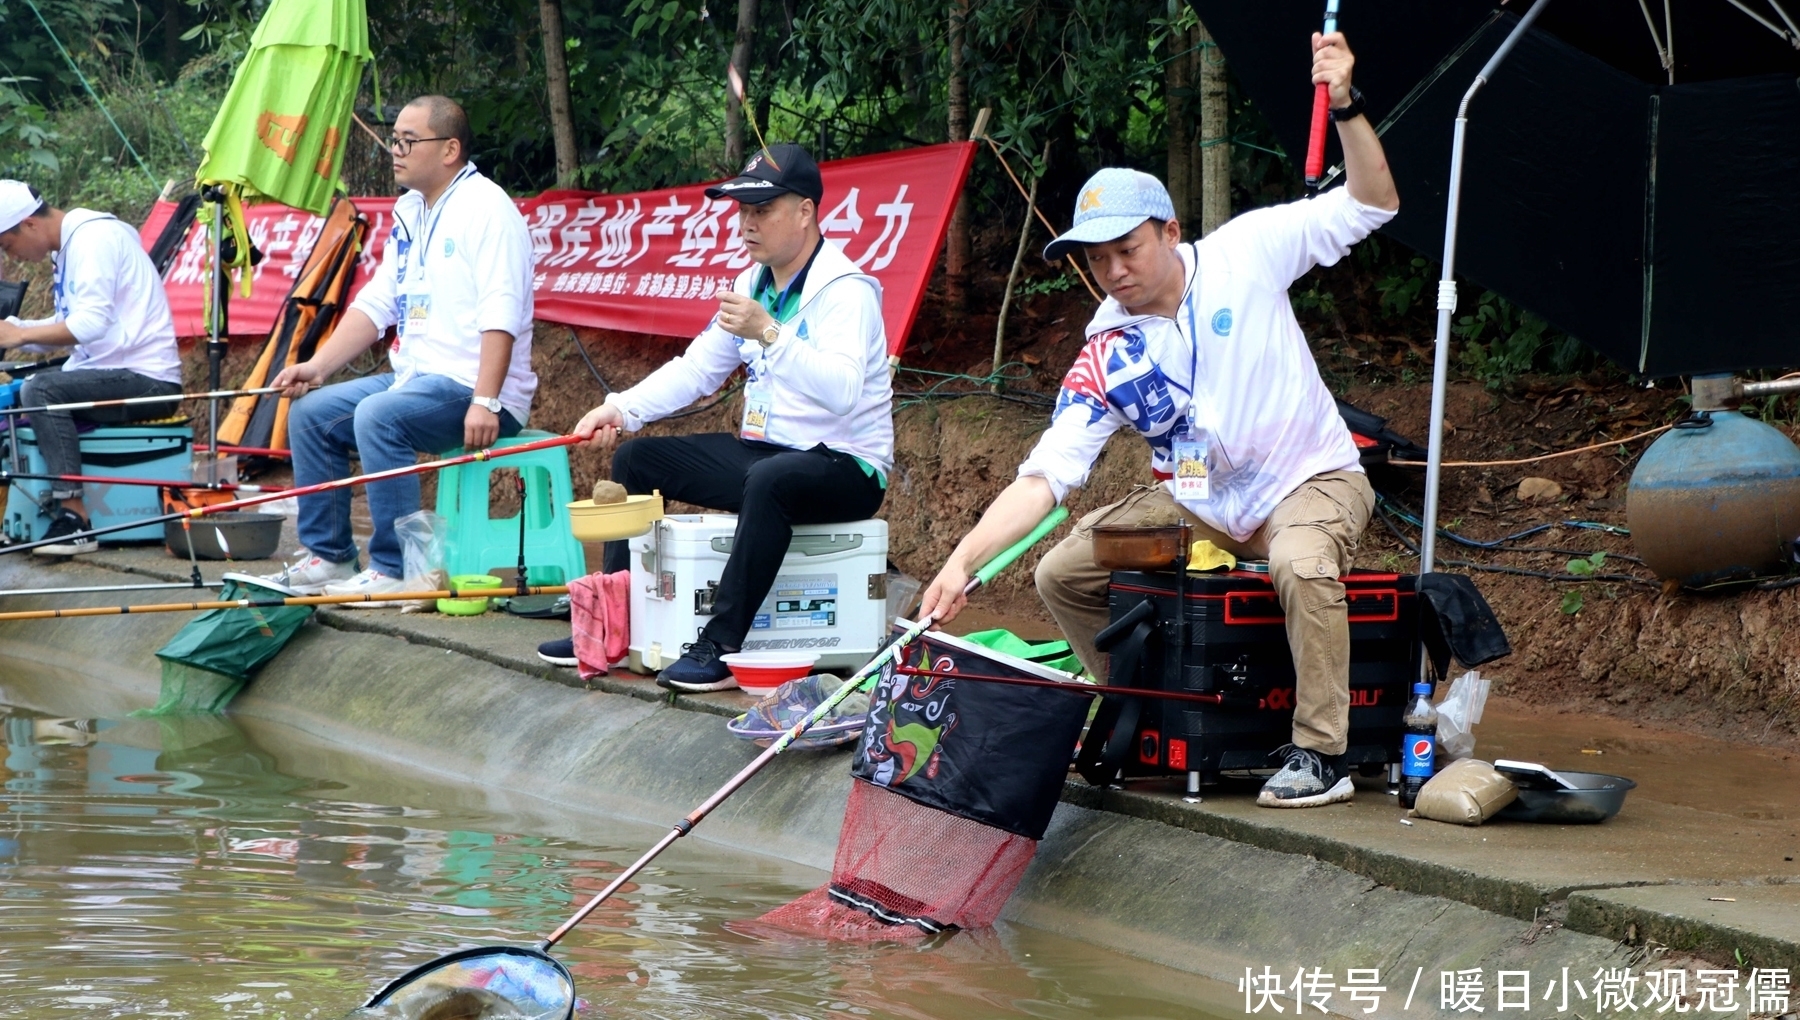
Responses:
[200,867]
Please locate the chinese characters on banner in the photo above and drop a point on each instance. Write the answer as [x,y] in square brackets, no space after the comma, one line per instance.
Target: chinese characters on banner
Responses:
[649,262]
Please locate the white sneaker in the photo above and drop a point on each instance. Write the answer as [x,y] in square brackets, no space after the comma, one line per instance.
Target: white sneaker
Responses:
[309,575]
[369,582]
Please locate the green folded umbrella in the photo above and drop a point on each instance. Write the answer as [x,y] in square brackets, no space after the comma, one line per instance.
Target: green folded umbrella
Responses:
[280,134]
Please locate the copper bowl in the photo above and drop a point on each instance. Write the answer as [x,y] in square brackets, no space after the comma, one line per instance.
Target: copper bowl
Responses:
[1133,547]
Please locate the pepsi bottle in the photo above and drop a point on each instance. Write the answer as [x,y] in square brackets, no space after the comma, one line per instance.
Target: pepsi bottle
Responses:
[1418,744]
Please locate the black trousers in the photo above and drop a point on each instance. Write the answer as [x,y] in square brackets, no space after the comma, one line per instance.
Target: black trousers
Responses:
[771,488]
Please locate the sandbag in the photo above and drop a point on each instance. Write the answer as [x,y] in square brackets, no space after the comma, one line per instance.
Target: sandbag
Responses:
[1467,792]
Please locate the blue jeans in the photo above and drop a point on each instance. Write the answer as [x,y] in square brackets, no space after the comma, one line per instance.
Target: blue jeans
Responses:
[388,428]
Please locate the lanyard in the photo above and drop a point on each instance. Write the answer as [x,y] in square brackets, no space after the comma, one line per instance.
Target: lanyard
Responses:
[62,259]
[437,213]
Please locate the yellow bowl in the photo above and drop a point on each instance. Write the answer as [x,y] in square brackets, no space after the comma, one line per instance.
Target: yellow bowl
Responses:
[607,522]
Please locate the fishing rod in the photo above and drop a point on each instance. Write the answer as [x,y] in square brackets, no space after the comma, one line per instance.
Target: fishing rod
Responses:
[1321,112]
[303,490]
[1072,686]
[161,483]
[268,603]
[185,585]
[90,405]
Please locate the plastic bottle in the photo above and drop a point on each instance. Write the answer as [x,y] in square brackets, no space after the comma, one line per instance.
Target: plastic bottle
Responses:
[1418,744]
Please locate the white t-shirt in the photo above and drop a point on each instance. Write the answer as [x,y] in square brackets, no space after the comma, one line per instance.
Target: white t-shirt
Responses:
[1232,368]
[825,380]
[449,274]
[107,293]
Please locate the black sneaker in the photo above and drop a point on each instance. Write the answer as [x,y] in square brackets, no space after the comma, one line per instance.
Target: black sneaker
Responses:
[698,670]
[559,653]
[66,523]
[1307,779]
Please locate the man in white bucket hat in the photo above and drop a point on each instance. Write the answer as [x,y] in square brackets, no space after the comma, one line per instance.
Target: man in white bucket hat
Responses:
[1196,348]
[110,315]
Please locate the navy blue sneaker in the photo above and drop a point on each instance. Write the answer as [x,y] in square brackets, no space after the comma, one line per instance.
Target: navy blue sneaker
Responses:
[559,653]
[698,670]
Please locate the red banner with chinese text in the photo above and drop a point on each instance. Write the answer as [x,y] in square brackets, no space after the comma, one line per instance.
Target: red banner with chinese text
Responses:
[647,262]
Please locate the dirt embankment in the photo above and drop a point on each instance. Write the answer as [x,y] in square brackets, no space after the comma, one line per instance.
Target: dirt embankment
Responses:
[1725,664]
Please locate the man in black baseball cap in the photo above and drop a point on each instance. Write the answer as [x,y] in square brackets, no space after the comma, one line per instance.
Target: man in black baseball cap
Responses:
[817,437]
[782,168]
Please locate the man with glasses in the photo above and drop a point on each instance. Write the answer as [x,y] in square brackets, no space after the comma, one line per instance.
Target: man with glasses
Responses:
[455,286]
[110,315]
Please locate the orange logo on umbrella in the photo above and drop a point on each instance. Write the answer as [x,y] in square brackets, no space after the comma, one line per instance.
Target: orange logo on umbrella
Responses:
[280,134]
[323,168]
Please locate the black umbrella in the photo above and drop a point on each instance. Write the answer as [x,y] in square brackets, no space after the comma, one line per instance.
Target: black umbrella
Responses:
[1631,172]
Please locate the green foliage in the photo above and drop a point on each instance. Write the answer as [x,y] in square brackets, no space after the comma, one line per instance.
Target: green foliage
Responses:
[1504,341]
[1587,566]
[1399,288]
[1047,285]
[25,135]
[1571,601]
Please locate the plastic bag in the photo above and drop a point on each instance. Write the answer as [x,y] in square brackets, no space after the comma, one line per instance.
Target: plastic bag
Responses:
[1458,714]
[1467,792]
[424,549]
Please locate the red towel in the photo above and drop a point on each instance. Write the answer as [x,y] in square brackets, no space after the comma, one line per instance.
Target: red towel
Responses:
[600,609]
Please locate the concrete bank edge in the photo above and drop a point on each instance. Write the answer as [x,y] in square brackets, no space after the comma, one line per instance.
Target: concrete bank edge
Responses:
[1116,869]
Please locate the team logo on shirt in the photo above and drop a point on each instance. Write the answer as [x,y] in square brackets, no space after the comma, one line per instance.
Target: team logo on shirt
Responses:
[1115,369]
[1221,322]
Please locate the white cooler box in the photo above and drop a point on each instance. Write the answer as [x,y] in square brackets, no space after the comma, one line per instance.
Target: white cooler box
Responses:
[830,597]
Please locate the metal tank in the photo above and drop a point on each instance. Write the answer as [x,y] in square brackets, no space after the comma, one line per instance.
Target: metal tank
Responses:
[1718,496]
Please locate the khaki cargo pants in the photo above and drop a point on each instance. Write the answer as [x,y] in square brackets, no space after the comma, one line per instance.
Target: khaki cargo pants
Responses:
[1309,541]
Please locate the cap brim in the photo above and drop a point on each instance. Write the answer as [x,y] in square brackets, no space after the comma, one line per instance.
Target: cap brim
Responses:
[748,190]
[1094,231]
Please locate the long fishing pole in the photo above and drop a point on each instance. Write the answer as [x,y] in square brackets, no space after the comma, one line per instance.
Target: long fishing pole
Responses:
[161,483]
[90,405]
[184,585]
[274,603]
[694,817]
[304,490]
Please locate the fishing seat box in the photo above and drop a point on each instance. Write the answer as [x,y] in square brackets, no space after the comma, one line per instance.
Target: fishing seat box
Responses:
[1236,646]
[152,452]
[830,596]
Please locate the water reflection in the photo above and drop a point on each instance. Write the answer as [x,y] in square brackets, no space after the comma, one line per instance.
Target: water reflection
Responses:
[168,868]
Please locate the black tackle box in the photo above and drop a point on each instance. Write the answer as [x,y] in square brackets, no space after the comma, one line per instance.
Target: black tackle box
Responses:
[1236,648]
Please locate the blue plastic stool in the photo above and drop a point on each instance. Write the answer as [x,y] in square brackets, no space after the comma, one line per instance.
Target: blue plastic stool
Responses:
[479,543]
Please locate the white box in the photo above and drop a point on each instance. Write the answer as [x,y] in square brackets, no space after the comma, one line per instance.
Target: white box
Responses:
[830,596]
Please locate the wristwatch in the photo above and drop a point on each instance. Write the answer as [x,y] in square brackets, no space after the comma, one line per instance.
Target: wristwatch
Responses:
[1354,110]
[770,334]
[491,404]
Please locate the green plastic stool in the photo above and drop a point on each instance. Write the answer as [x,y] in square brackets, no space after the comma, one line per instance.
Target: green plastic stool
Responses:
[479,543]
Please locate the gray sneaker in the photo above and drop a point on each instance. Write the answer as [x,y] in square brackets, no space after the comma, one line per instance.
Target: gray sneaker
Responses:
[308,574]
[1307,779]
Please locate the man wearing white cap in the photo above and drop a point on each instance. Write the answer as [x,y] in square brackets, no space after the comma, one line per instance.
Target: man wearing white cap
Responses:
[111,308]
[1198,350]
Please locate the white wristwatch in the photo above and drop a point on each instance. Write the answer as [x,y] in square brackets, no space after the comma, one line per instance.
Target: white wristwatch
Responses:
[491,404]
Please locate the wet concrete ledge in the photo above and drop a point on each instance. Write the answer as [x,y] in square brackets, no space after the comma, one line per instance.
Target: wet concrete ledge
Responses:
[1208,888]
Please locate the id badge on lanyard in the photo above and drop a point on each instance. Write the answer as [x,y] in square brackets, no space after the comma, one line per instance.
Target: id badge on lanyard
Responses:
[1193,480]
[758,398]
[415,309]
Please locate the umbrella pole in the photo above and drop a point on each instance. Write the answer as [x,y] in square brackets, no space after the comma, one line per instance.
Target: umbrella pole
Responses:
[215,324]
[1446,303]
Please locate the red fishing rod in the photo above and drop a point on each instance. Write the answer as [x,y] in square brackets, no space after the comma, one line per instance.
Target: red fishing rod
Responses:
[161,483]
[304,490]
[1321,113]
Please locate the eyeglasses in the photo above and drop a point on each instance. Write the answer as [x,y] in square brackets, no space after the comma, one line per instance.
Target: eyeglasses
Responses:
[403,146]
